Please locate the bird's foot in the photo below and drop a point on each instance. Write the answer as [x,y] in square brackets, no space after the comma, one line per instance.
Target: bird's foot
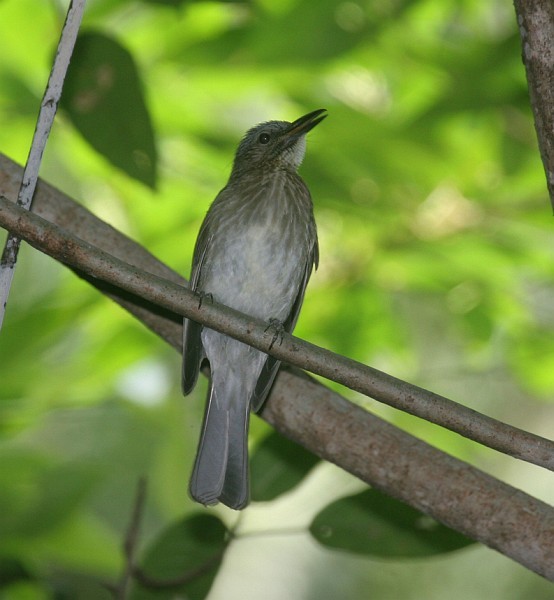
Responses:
[278,331]
[203,296]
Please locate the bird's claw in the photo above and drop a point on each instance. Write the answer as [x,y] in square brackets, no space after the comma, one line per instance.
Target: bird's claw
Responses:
[278,331]
[203,296]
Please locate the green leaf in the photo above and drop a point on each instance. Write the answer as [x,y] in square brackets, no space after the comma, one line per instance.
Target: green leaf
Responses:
[104,99]
[277,466]
[190,550]
[373,524]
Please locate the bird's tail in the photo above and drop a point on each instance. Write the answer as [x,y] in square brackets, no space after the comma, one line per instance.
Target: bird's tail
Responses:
[220,471]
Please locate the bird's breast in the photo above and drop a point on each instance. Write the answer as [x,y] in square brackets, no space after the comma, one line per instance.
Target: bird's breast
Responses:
[258,255]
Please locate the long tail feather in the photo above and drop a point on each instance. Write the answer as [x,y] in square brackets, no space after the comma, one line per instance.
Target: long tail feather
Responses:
[210,466]
[220,471]
[236,487]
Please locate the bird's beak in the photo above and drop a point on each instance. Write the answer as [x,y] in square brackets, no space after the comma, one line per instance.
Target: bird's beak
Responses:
[304,124]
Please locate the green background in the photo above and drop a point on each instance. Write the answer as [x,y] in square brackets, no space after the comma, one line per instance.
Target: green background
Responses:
[436,266]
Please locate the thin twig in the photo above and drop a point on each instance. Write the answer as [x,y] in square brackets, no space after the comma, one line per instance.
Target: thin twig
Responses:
[133,571]
[66,248]
[131,541]
[334,429]
[45,119]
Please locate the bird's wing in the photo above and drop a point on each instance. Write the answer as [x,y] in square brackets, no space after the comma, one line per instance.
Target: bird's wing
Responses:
[271,365]
[193,353]
[313,261]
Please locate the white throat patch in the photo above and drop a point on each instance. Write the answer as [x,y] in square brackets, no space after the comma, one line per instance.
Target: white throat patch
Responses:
[299,150]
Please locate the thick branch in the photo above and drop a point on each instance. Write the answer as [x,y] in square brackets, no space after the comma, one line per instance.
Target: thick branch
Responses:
[536,27]
[451,491]
[406,468]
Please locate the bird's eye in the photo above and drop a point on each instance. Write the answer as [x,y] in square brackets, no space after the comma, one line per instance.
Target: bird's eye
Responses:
[264,138]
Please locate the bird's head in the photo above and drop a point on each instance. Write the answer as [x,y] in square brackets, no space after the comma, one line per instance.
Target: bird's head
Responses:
[275,144]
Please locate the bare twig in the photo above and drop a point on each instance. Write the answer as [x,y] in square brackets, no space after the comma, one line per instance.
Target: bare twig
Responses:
[131,541]
[132,571]
[46,116]
[382,455]
[536,27]
[56,242]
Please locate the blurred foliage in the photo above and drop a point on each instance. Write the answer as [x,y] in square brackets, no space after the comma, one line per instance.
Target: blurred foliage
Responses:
[436,266]
[277,466]
[191,549]
[103,97]
[374,524]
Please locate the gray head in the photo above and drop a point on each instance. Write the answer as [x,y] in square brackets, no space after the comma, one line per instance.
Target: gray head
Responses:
[275,145]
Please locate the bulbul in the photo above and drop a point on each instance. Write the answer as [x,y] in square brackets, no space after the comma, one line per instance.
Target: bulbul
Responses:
[255,252]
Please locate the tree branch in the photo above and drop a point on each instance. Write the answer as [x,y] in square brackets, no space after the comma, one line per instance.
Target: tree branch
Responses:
[536,28]
[449,490]
[95,263]
[404,467]
[121,591]
[47,112]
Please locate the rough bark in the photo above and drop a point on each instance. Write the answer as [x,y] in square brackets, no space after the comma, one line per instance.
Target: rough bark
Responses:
[535,20]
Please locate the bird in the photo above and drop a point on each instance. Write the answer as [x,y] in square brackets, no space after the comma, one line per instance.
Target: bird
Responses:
[255,252]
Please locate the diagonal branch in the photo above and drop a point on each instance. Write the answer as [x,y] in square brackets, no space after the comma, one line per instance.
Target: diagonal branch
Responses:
[451,491]
[95,263]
